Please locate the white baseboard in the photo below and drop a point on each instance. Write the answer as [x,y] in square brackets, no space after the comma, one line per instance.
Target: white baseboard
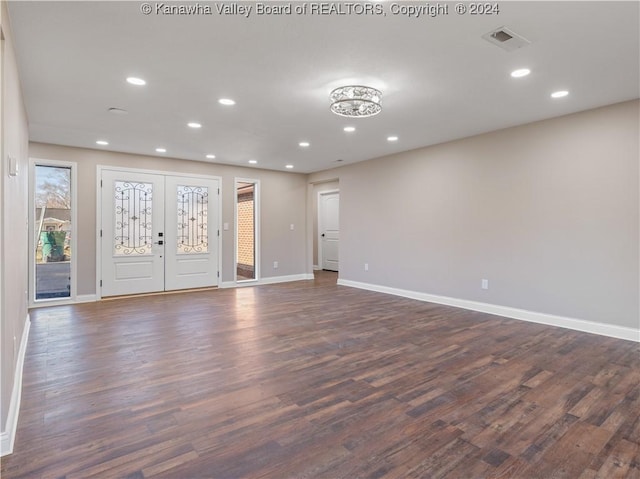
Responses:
[286,279]
[86,298]
[316,267]
[81,298]
[269,280]
[8,436]
[603,329]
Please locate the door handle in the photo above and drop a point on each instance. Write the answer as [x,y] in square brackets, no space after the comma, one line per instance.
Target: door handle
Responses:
[160,242]
[323,235]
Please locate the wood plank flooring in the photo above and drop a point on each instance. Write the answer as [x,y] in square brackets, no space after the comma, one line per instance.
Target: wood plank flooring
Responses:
[314,380]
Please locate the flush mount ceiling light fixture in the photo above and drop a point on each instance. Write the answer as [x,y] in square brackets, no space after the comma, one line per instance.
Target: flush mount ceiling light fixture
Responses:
[356,101]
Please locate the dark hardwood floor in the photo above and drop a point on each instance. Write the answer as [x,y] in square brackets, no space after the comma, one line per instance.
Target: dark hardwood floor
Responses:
[314,380]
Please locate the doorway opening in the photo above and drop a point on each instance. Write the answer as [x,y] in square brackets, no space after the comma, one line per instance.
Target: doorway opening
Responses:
[329,230]
[247,226]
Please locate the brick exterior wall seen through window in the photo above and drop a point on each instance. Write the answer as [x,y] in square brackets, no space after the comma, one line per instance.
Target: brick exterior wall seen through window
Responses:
[246,254]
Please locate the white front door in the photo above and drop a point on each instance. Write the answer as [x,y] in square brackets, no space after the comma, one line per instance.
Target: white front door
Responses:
[159,232]
[132,230]
[328,214]
[191,251]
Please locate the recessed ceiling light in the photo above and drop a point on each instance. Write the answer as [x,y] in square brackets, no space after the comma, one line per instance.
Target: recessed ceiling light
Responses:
[161,150]
[304,144]
[194,124]
[289,166]
[522,72]
[349,129]
[211,157]
[102,142]
[392,138]
[136,81]
[253,162]
[226,101]
[559,94]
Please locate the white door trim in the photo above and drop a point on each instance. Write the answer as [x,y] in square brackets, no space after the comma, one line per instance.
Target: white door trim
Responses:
[319,217]
[98,214]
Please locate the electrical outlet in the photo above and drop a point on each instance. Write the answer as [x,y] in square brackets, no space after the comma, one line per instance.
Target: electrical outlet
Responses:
[275,265]
[366,266]
[485,284]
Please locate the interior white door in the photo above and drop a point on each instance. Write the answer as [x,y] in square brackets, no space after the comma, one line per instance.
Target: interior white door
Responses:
[191,237]
[132,227]
[329,211]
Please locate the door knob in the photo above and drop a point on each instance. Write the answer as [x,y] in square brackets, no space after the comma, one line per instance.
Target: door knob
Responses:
[160,242]
[323,235]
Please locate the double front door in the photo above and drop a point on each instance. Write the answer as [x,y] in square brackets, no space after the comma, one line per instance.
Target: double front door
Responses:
[158,232]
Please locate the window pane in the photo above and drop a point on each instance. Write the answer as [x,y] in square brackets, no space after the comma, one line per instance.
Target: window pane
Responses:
[133,225]
[245,267]
[192,219]
[53,227]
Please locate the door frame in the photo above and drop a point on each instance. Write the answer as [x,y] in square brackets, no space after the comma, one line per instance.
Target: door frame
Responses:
[98,214]
[73,242]
[319,213]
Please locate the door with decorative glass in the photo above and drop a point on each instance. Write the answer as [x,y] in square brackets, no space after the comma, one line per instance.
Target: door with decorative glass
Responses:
[158,232]
[191,245]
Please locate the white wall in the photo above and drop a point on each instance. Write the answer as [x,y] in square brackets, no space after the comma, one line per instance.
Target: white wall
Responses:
[14,246]
[282,196]
[547,212]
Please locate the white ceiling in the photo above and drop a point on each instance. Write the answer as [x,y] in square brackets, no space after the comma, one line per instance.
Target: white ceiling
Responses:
[440,80]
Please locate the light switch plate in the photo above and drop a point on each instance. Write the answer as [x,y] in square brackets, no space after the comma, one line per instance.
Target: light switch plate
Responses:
[13,165]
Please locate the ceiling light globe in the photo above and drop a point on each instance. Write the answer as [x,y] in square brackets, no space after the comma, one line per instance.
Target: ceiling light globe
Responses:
[356,101]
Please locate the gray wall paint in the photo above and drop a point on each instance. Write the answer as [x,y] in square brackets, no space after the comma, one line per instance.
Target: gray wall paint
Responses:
[13,249]
[547,212]
[282,195]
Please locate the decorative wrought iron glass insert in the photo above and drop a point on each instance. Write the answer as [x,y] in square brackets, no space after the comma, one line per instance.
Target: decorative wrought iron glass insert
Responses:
[133,218]
[193,202]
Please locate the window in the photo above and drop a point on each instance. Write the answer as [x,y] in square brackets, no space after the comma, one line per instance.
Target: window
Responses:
[247,226]
[53,231]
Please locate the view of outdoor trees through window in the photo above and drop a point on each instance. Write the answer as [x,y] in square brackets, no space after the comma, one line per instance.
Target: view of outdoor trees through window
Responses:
[53,232]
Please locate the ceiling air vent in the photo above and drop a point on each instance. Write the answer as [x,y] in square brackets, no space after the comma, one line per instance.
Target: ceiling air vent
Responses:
[506,39]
